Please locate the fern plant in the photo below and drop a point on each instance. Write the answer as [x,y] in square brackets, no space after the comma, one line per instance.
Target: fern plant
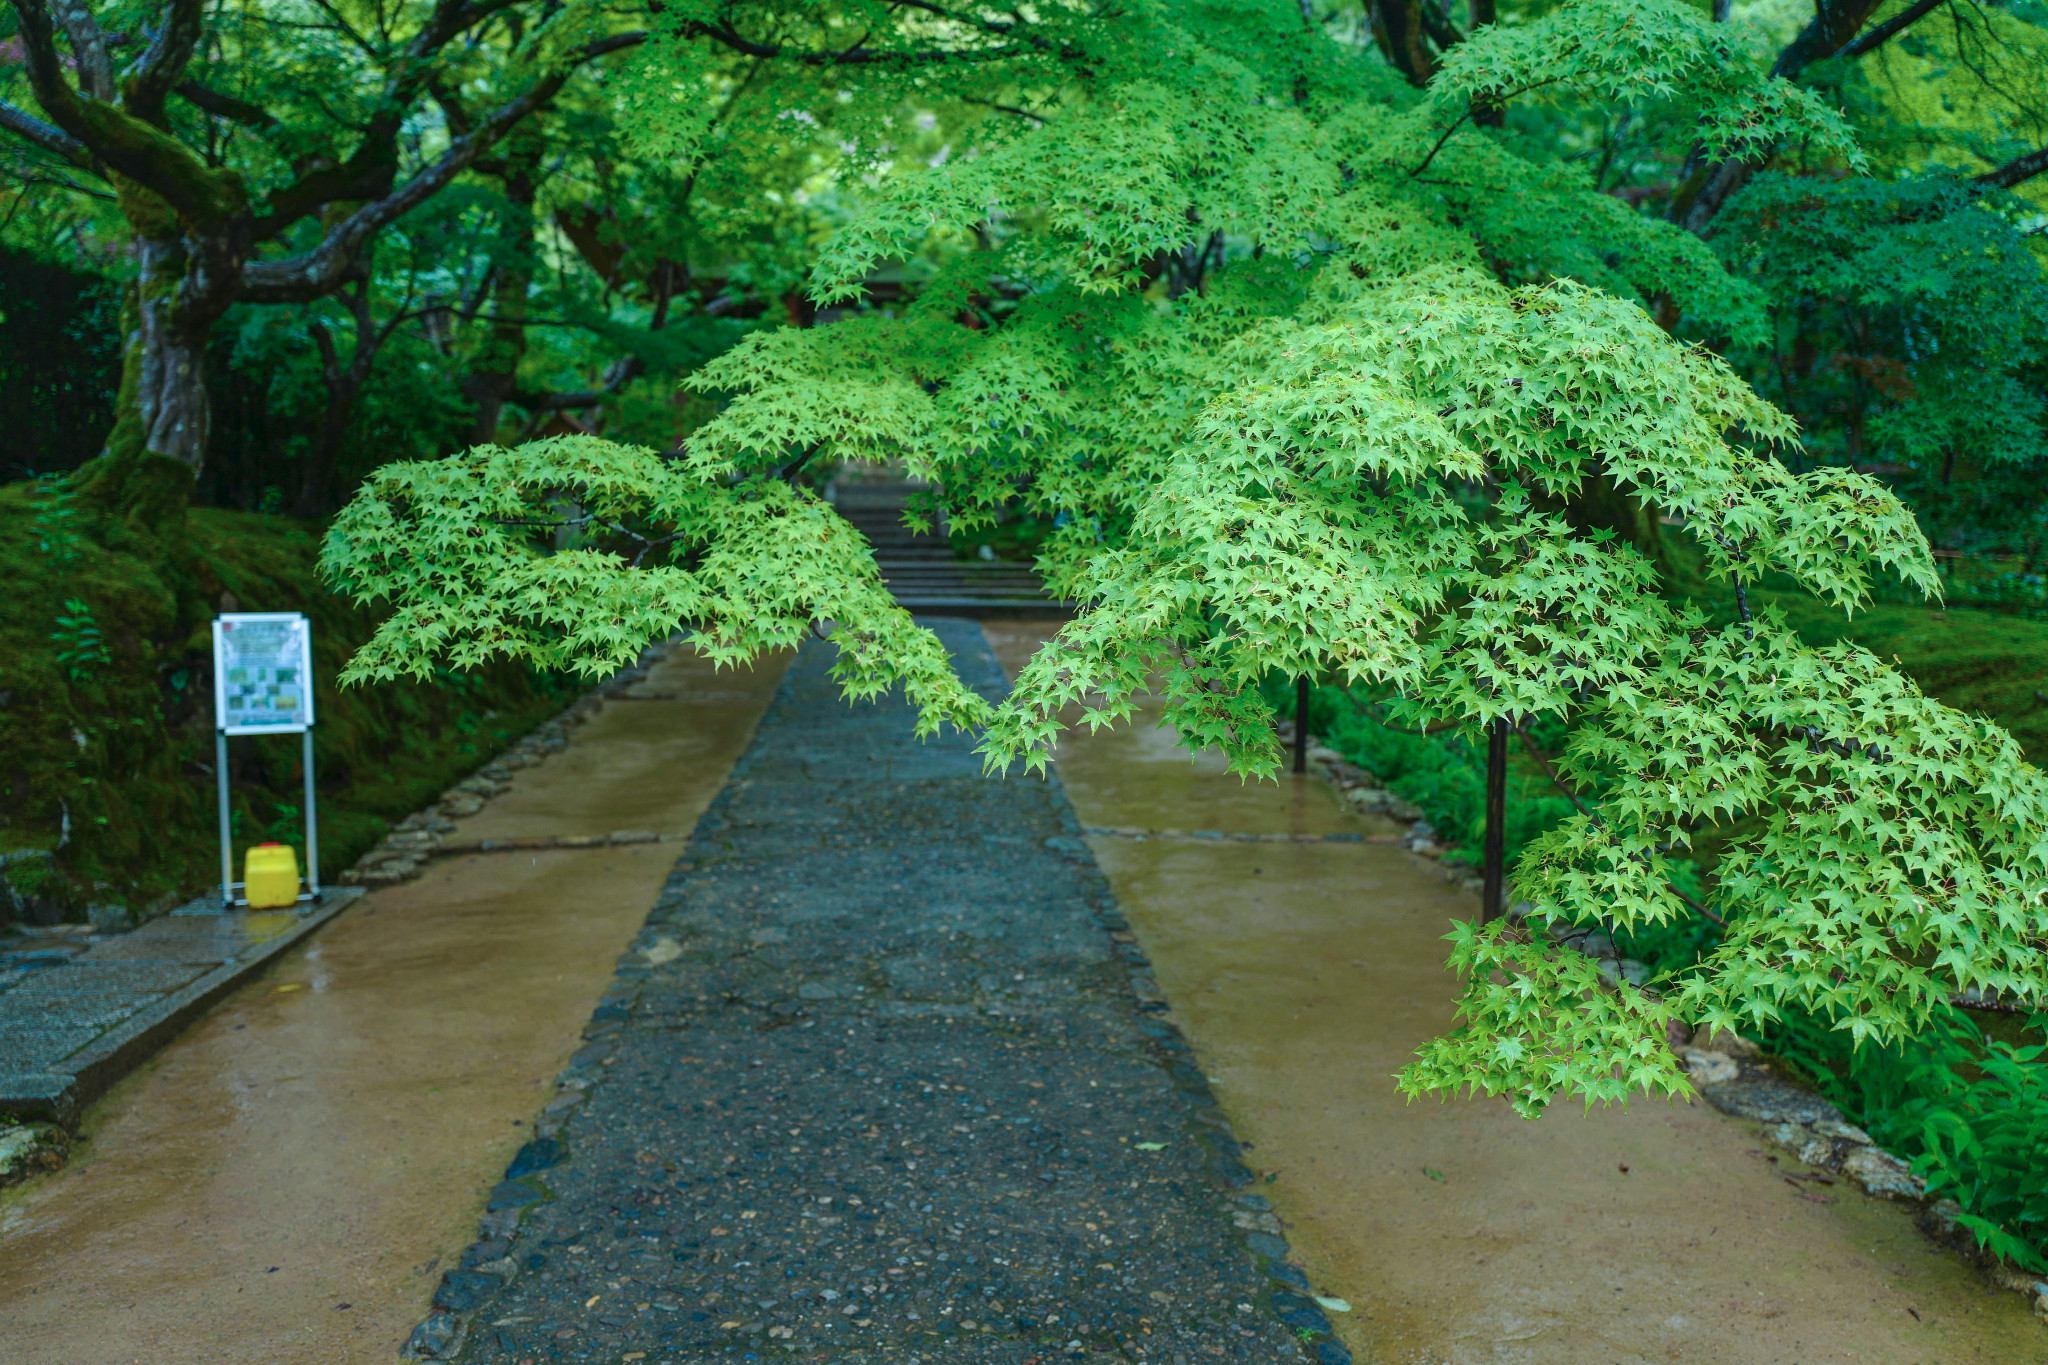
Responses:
[1315,376]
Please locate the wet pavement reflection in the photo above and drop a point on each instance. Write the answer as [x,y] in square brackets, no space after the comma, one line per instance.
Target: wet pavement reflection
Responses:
[1305,975]
[286,1181]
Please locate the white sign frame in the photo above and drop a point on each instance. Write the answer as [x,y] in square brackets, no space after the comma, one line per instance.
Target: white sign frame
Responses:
[296,654]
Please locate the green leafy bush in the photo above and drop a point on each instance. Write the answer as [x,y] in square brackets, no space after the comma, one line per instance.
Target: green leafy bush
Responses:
[1968,1110]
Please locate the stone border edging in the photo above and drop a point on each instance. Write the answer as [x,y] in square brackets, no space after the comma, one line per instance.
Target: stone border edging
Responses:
[1728,1071]
[1211,836]
[419,837]
[59,1096]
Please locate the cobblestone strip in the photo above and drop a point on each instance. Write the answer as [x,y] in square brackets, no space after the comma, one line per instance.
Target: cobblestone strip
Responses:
[422,836]
[884,1078]
[1197,836]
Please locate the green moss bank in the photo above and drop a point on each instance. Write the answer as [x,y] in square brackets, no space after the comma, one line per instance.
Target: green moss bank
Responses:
[106,712]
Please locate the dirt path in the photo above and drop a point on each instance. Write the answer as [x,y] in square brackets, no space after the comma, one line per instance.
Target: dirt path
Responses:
[286,1181]
[1305,974]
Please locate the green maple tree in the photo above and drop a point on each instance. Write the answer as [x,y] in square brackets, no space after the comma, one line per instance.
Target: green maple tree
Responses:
[1320,374]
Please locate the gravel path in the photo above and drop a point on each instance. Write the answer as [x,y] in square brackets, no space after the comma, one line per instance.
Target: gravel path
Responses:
[882,1080]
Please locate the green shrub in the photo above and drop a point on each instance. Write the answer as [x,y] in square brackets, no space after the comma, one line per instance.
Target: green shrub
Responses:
[1969,1111]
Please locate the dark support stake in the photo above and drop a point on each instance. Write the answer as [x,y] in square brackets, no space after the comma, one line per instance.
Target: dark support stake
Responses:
[1301,724]
[1491,905]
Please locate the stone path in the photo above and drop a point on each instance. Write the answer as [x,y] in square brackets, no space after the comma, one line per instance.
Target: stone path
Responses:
[883,1079]
[74,1022]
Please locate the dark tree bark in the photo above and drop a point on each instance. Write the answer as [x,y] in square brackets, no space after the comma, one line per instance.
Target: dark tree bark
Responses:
[345,384]
[493,376]
[1401,28]
[1301,694]
[196,232]
[1493,897]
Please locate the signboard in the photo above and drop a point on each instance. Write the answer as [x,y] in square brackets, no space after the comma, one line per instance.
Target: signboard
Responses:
[262,673]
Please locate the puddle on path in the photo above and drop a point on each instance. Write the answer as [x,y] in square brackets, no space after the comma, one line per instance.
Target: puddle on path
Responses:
[1306,974]
[287,1180]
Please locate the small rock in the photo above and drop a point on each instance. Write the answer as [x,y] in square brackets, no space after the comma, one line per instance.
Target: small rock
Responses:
[1768,1100]
[1790,1136]
[1883,1175]
[456,805]
[1939,1219]
[1371,798]
[1710,1068]
[110,918]
[1819,1153]
[438,1338]
[1405,810]
[1846,1132]
[1323,753]
[1720,1040]
[29,1149]
[2041,1300]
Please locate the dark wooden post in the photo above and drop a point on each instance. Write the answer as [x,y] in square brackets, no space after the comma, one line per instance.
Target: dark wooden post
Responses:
[1301,724]
[1492,905]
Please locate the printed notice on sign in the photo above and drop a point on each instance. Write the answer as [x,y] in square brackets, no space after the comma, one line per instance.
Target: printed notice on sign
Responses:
[262,673]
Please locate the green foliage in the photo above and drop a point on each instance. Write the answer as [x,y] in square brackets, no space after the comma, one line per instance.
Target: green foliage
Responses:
[1314,376]
[1913,315]
[1969,1111]
[749,565]
[83,648]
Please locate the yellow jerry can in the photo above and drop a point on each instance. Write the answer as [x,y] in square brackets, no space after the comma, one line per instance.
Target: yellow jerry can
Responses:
[270,876]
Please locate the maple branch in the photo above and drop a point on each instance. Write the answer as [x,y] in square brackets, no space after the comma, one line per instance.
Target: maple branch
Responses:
[1891,28]
[2016,171]
[297,279]
[53,140]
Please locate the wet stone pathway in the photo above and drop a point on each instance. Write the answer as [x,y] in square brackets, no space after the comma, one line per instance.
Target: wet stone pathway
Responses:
[883,1079]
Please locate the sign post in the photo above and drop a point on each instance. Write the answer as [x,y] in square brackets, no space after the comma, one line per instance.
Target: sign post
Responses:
[263,685]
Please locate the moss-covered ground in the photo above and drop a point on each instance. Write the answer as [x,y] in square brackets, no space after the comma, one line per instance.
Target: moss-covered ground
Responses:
[106,706]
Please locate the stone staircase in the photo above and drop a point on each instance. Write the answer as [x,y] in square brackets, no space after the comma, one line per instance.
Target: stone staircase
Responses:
[923,571]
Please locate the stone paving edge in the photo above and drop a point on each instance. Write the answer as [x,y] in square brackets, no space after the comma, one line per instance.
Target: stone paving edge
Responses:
[62,1094]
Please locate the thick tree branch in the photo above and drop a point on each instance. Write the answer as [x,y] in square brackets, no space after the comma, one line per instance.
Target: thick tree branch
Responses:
[53,140]
[2017,170]
[226,106]
[1891,28]
[145,154]
[150,77]
[309,276]
[88,49]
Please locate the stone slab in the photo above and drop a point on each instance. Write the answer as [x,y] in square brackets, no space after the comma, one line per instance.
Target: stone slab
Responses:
[116,1010]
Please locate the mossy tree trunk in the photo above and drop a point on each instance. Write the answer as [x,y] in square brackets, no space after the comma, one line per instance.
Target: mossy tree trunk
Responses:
[198,232]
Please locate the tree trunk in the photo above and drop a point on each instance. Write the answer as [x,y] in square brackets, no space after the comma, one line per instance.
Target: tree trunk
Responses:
[494,374]
[168,353]
[1493,897]
[157,447]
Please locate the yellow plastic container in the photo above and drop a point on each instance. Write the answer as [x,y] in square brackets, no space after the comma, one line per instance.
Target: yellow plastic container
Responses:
[270,874]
